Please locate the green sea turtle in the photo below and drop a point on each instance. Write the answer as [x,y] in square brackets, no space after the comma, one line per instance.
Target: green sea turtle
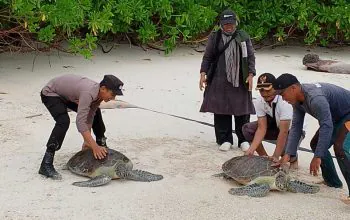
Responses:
[114,166]
[259,177]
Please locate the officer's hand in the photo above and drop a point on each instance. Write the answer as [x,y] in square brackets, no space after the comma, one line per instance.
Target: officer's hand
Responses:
[99,152]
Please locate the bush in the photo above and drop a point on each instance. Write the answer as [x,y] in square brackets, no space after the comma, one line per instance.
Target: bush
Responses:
[169,22]
[317,21]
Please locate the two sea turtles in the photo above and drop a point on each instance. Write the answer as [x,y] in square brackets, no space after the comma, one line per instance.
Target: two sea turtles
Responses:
[255,172]
[259,177]
[114,166]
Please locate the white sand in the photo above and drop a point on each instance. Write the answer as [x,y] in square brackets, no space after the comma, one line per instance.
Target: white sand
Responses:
[184,152]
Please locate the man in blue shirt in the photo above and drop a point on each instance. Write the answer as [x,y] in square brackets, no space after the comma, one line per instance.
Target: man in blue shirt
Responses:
[330,105]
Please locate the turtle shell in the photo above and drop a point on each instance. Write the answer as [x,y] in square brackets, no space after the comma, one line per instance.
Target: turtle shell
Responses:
[244,169]
[84,163]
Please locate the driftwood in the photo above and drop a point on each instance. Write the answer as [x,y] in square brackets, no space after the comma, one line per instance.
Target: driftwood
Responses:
[313,62]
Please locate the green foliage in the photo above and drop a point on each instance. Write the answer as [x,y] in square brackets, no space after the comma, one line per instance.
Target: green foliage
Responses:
[318,21]
[46,34]
[83,46]
[83,22]
[101,21]
[65,14]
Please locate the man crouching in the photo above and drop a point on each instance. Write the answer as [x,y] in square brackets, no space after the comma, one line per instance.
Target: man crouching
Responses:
[274,120]
[83,96]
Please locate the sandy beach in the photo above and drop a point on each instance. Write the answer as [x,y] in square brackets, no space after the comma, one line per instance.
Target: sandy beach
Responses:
[184,152]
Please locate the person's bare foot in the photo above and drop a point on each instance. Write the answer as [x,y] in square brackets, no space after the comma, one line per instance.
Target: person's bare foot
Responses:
[322,182]
[345,199]
[294,165]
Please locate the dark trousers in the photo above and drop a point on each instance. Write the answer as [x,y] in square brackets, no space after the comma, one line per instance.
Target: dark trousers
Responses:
[223,128]
[342,143]
[58,110]
[329,172]
[249,130]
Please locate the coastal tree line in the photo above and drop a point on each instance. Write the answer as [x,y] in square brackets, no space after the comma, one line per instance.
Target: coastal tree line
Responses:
[80,26]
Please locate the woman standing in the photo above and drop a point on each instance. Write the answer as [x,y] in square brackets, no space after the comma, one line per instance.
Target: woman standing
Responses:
[227,71]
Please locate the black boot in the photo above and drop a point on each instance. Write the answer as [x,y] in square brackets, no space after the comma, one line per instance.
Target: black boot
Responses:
[47,169]
[102,142]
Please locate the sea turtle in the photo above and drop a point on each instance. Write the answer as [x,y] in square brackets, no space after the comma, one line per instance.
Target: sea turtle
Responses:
[114,166]
[259,177]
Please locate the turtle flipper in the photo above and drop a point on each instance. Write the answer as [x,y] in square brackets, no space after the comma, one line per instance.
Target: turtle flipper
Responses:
[252,190]
[96,181]
[137,175]
[143,176]
[300,187]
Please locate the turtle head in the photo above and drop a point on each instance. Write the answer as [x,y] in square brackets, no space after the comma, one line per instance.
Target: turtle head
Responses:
[128,165]
[282,180]
[284,167]
[310,58]
[124,161]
